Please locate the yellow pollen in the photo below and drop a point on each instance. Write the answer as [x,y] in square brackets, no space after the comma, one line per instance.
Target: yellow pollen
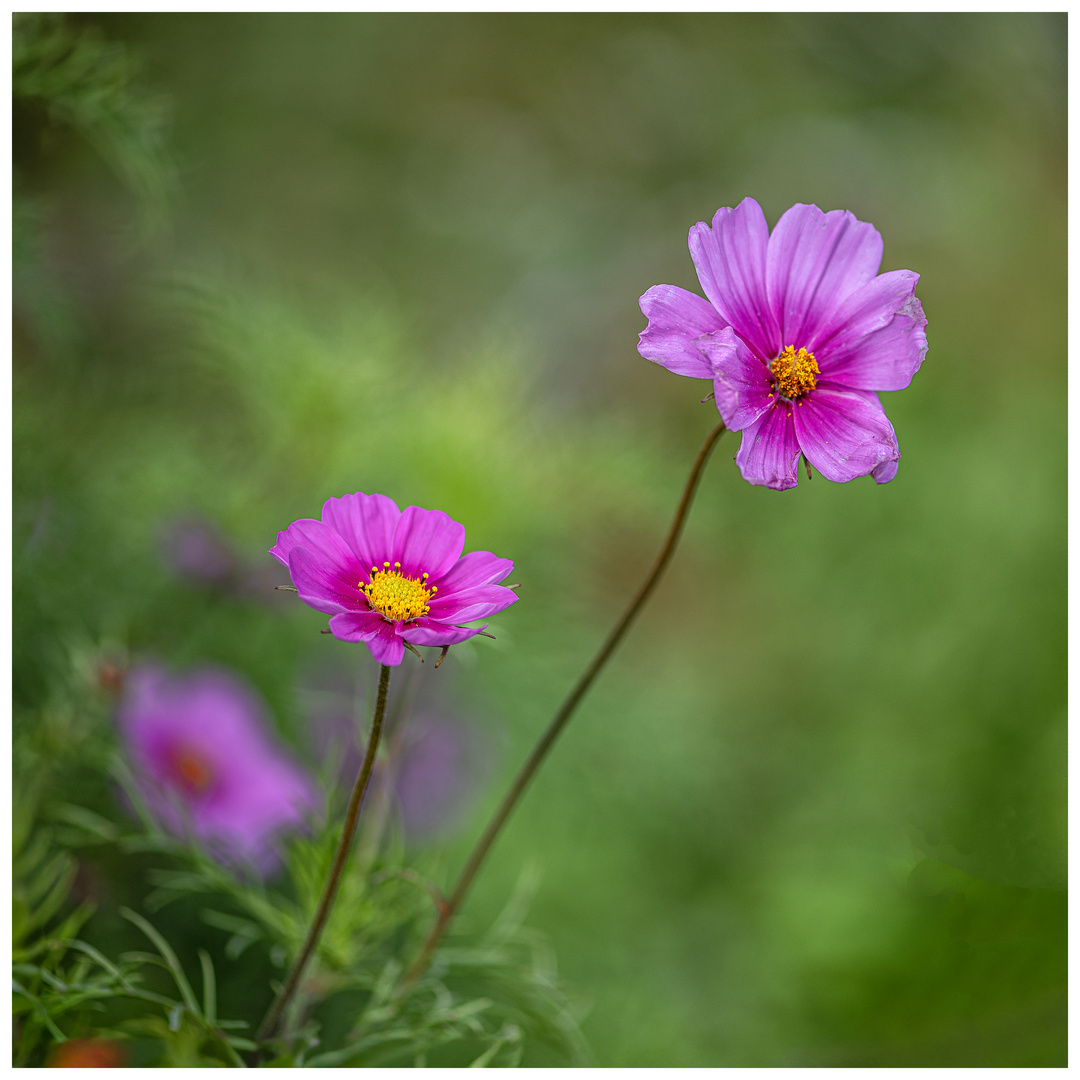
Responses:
[794,372]
[397,596]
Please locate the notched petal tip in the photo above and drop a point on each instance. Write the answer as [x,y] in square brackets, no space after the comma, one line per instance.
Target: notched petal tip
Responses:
[769,452]
[677,318]
[886,471]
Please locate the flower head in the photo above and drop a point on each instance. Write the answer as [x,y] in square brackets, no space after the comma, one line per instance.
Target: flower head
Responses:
[799,333]
[388,576]
[203,761]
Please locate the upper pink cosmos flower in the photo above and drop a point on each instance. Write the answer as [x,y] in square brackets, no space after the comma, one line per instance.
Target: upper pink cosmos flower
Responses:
[798,334]
[388,576]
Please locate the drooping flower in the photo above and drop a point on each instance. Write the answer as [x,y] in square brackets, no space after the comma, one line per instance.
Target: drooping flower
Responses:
[798,334]
[388,576]
[205,762]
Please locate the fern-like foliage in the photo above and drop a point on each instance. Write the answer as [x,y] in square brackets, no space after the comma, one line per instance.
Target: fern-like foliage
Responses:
[92,85]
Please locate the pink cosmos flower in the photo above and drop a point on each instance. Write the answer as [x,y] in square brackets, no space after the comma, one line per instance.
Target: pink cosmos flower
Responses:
[204,762]
[798,334]
[388,576]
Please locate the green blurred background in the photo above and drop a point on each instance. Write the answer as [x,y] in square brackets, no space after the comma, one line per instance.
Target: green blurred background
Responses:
[814,811]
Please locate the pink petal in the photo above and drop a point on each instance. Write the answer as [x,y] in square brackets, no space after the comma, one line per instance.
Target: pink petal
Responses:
[427,542]
[676,317]
[357,625]
[730,263]
[380,636]
[741,382]
[886,471]
[366,523]
[468,604]
[815,261]
[769,453]
[884,360]
[427,631]
[845,434]
[866,310]
[322,541]
[475,568]
[324,586]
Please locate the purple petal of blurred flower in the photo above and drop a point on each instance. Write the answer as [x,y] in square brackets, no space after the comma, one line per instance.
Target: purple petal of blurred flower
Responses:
[798,334]
[197,550]
[436,769]
[204,760]
[332,700]
[388,576]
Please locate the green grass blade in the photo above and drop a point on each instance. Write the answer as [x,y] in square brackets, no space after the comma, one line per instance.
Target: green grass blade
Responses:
[168,955]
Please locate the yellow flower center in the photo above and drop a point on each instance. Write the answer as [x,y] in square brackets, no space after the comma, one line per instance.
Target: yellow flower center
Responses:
[395,595]
[794,372]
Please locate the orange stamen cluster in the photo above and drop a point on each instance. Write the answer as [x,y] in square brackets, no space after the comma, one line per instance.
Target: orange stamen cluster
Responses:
[398,597]
[795,373]
[193,771]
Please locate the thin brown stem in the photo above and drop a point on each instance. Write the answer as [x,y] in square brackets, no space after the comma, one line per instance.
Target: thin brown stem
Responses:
[352,816]
[540,751]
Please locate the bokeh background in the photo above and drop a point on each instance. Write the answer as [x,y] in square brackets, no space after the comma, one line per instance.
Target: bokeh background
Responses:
[814,811]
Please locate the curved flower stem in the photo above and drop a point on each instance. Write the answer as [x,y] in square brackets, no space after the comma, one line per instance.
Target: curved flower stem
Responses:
[352,815]
[449,908]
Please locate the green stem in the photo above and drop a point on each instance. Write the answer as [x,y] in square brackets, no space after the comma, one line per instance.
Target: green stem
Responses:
[352,816]
[449,908]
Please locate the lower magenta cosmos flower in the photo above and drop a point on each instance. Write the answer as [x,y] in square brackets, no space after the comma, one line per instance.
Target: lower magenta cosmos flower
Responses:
[798,334]
[388,577]
[204,763]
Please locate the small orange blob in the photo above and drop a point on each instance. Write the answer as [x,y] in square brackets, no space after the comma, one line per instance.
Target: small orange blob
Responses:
[110,678]
[87,1054]
[192,770]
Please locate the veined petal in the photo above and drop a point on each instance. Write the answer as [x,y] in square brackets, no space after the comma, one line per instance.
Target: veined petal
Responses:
[730,261]
[815,261]
[357,625]
[866,310]
[322,540]
[427,542]
[769,453]
[742,384]
[676,317]
[845,434]
[468,604]
[366,523]
[324,586]
[884,360]
[380,636]
[475,568]
[427,631]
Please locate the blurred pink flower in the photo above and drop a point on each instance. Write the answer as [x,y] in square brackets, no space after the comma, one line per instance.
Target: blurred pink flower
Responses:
[437,760]
[204,762]
[438,765]
[798,334]
[388,576]
[198,551]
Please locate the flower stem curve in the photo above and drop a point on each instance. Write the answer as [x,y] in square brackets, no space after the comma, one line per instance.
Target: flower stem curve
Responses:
[449,908]
[337,868]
